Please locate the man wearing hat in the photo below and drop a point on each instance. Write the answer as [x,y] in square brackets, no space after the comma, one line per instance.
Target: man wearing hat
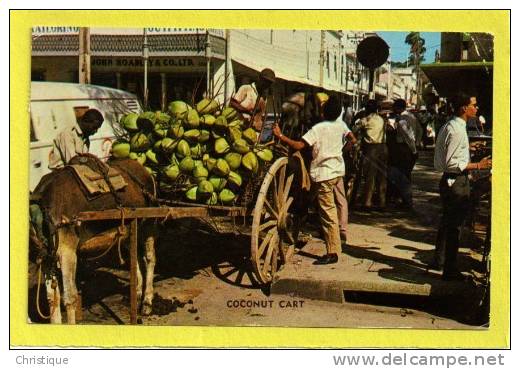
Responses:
[75,139]
[250,99]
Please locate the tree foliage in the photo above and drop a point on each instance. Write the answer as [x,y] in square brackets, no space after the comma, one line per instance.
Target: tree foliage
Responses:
[417,47]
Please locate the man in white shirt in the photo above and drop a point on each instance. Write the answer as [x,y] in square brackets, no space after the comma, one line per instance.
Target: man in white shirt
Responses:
[327,169]
[453,159]
[250,99]
[372,129]
[74,140]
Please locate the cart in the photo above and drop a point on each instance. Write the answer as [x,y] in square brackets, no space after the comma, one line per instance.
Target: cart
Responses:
[271,202]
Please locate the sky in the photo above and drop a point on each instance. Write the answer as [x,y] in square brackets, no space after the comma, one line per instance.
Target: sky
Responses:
[399,50]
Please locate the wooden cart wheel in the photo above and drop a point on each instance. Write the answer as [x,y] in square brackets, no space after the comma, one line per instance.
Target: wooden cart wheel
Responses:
[273,234]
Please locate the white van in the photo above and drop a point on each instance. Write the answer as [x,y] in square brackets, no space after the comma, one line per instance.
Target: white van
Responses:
[55,105]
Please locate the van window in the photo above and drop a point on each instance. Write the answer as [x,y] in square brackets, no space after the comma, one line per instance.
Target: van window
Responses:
[33,136]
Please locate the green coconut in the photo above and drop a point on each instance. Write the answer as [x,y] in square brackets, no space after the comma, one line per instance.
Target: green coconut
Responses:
[205,188]
[207,106]
[229,113]
[210,164]
[234,160]
[236,123]
[183,149]
[199,172]
[191,194]
[187,164]
[139,157]
[234,180]
[208,120]
[162,118]
[220,125]
[196,151]
[204,135]
[250,135]
[234,133]
[174,160]
[168,145]
[176,131]
[151,157]
[250,162]
[265,154]
[193,119]
[160,130]
[139,142]
[157,146]
[221,146]
[213,199]
[226,196]
[120,149]
[146,121]
[172,171]
[241,146]
[192,135]
[178,109]
[218,182]
[129,122]
[221,168]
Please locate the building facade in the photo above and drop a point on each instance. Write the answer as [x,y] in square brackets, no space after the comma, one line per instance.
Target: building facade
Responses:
[188,63]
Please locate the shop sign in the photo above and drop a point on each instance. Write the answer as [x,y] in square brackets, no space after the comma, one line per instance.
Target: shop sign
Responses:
[54,30]
[44,30]
[129,63]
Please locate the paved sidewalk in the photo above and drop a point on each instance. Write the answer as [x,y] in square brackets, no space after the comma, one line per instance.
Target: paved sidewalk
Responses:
[387,252]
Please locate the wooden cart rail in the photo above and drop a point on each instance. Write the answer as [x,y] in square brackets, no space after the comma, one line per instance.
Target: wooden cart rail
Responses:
[274,228]
[134,214]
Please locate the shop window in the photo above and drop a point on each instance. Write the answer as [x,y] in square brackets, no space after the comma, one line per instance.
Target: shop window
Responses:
[328,64]
[335,67]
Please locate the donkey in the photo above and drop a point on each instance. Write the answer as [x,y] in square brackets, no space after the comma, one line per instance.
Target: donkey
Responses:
[62,198]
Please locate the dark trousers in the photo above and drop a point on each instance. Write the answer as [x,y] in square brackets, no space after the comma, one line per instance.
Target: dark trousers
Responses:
[455,205]
[401,162]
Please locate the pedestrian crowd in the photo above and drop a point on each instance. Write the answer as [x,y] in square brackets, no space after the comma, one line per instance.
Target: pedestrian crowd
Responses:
[389,137]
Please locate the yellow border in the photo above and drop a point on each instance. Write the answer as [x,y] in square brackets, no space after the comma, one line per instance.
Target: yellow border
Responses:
[496,22]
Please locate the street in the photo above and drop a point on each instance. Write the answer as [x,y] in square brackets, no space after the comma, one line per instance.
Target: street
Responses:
[203,277]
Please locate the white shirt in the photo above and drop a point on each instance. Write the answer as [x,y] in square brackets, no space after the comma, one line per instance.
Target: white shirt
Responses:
[452,147]
[327,139]
[67,144]
[247,96]
[373,129]
[407,130]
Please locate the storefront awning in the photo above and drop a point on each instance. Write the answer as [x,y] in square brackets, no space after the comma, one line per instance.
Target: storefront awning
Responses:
[468,77]
[286,76]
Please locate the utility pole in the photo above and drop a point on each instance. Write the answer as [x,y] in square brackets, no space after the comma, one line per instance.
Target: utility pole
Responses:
[417,75]
[322,56]
[84,55]
[208,65]
[227,69]
[145,57]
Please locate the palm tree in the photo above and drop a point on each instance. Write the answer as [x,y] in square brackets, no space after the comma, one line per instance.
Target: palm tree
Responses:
[416,56]
[417,48]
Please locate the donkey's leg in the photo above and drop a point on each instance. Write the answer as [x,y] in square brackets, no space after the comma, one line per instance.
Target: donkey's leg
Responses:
[139,284]
[53,297]
[67,247]
[149,259]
